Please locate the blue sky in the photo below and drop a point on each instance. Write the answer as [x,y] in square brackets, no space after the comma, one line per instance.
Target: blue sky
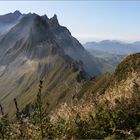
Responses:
[87,20]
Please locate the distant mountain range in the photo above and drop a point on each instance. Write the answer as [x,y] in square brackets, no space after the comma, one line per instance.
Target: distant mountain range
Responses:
[110,53]
[114,47]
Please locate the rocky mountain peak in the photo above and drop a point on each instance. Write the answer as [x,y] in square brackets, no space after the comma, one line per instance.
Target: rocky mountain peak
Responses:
[10,17]
[34,34]
[45,17]
[17,12]
[54,21]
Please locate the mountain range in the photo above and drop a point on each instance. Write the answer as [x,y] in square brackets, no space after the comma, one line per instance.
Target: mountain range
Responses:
[34,48]
[111,52]
[89,92]
[114,47]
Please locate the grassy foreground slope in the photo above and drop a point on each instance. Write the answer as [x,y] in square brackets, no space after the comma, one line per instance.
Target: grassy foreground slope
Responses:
[109,106]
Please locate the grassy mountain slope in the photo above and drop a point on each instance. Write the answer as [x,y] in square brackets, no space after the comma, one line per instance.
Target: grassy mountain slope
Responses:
[120,87]
[57,77]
